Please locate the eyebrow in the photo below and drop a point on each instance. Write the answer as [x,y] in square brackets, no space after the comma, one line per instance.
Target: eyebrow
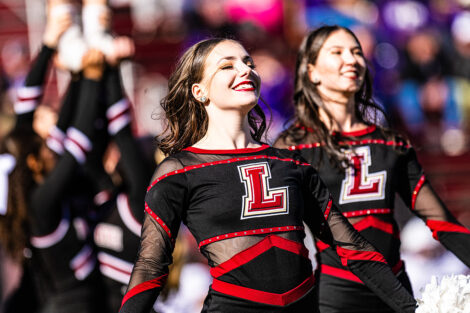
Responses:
[342,47]
[245,58]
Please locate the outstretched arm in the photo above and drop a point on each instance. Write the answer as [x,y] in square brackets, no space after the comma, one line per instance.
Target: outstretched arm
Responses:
[355,252]
[418,194]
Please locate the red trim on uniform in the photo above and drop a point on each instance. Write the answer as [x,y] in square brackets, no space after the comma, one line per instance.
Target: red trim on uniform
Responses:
[340,273]
[257,249]
[263,296]
[249,233]
[84,150]
[348,275]
[226,151]
[366,212]
[115,268]
[308,129]
[150,284]
[360,132]
[321,246]
[159,220]
[374,222]
[416,191]
[397,267]
[305,146]
[441,226]
[374,141]
[328,208]
[115,117]
[347,254]
[232,160]
[352,143]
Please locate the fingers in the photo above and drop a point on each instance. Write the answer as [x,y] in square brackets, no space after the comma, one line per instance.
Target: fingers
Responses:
[57,24]
[123,48]
[93,64]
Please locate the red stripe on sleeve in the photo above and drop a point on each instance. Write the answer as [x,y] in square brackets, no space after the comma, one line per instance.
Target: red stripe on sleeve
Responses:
[150,284]
[320,245]
[440,226]
[159,220]
[328,208]
[346,254]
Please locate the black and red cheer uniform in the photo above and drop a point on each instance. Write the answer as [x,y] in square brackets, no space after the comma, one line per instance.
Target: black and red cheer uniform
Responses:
[365,193]
[246,210]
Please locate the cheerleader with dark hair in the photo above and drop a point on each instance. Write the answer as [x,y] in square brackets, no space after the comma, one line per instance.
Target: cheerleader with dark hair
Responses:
[363,164]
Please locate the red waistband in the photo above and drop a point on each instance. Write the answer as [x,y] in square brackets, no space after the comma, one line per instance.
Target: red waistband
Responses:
[259,296]
[348,275]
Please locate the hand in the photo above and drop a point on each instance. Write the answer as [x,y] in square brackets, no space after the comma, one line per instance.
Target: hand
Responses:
[93,64]
[124,48]
[57,24]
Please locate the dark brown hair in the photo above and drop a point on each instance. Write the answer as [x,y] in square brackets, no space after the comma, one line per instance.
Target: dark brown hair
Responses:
[14,232]
[307,100]
[186,118]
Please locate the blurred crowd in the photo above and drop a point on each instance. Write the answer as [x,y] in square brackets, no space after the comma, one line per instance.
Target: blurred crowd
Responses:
[418,51]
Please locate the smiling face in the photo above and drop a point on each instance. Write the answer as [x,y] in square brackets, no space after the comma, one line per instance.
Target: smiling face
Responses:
[230,81]
[340,67]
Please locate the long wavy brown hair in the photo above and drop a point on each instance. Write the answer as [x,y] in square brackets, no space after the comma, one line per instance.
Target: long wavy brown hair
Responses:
[307,100]
[14,230]
[186,118]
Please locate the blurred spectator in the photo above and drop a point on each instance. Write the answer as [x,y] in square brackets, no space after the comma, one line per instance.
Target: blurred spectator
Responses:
[15,65]
[208,18]
[425,257]
[276,89]
[347,13]
[264,14]
[427,100]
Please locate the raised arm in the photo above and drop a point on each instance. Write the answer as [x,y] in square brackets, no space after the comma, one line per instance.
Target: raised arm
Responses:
[46,197]
[418,194]
[331,227]
[136,171]
[29,95]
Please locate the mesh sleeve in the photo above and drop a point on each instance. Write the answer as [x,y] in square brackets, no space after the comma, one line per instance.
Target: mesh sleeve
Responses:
[165,202]
[443,225]
[46,197]
[150,269]
[329,225]
[425,203]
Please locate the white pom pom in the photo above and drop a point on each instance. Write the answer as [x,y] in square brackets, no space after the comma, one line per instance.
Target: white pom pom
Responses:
[452,295]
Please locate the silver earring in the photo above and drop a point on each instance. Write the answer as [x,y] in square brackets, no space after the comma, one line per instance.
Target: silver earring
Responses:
[316,80]
[203,99]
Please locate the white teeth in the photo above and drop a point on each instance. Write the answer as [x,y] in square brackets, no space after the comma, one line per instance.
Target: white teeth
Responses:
[245,86]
